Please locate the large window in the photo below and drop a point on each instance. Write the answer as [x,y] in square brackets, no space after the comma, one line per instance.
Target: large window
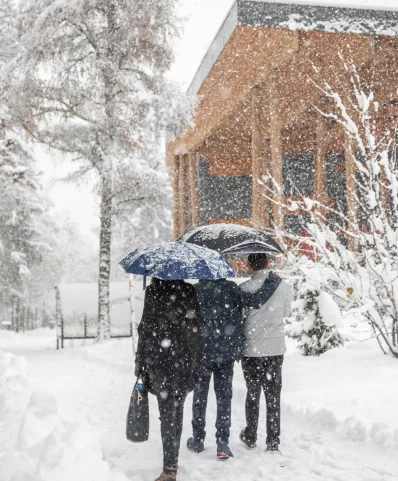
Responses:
[222,196]
[298,175]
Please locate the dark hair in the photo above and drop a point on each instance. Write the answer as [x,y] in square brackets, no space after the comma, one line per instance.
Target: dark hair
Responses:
[257,261]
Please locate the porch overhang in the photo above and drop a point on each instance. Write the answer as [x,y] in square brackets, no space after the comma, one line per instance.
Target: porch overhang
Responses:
[260,36]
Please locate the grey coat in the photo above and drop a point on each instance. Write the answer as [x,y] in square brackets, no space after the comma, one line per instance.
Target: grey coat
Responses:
[263,328]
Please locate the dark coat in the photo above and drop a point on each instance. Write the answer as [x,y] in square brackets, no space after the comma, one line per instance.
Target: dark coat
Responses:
[222,303]
[170,346]
[221,307]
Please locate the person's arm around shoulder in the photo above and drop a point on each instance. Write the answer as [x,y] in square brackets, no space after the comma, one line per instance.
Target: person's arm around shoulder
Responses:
[254,299]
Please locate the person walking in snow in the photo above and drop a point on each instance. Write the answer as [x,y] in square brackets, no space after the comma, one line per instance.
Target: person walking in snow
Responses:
[264,348]
[221,303]
[169,358]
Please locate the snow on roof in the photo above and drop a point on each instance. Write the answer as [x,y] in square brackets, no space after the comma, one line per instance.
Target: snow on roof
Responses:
[81,299]
[362,4]
[78,299]
[339,16]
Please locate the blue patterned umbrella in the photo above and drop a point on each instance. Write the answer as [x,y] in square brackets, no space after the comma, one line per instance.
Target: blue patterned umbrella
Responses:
[177,260]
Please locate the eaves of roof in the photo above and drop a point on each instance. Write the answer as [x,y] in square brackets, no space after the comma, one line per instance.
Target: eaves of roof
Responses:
[295,16]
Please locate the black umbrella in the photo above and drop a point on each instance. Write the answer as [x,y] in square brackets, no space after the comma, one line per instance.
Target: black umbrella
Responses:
[232,239]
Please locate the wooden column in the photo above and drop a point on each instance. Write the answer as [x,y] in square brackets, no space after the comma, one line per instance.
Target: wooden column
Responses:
[183,194]
[352,207]
[267,162]
[276,152]
[320,160]
[194,188]
[176,195]
[259,211]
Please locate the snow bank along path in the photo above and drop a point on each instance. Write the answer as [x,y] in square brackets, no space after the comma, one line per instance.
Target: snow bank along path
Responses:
[62,418]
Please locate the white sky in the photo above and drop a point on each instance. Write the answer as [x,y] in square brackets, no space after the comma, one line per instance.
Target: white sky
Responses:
[203,19]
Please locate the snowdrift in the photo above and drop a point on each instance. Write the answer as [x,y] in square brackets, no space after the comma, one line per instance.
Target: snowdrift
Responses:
[36,442]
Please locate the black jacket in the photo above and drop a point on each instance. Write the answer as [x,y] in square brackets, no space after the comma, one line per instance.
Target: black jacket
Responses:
[170,346]
[222,303]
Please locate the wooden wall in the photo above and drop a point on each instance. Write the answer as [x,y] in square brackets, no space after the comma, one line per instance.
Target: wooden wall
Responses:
[259,104]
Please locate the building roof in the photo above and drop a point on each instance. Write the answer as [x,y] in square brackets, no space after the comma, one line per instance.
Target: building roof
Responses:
[296,16]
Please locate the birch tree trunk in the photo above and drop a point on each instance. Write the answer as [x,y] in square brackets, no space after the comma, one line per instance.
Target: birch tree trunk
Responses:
[104,325]
[104,321]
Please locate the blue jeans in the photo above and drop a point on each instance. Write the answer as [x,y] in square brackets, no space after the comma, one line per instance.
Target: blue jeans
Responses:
[223,376]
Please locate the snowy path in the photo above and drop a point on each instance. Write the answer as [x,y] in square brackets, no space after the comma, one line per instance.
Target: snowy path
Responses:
[92,385]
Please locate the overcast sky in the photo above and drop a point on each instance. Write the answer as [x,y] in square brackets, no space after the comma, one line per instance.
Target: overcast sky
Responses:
[203,18]
[202,21]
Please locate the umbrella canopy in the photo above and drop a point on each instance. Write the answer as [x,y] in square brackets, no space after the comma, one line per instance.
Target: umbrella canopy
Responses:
[249,247]
[232,239]
[177,260]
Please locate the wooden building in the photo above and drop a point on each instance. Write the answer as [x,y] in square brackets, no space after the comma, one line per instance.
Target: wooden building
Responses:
[257,112]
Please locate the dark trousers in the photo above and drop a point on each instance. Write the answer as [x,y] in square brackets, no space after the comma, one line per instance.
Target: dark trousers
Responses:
[223,376]
[171,409]
[263,373]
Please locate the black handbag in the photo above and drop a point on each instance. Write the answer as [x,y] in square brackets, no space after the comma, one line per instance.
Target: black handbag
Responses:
[137,428]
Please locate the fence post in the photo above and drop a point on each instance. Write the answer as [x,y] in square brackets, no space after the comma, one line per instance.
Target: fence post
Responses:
[132,307]
[12,314]
[23,318]
[59,321]
[85,325]
[17,316]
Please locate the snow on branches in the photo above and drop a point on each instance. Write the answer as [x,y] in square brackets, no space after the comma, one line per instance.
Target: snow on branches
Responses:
[90,82]
[318,318]
[21,216]
[357,253]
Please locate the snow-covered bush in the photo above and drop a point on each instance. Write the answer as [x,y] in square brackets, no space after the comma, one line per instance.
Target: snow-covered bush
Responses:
[317,318]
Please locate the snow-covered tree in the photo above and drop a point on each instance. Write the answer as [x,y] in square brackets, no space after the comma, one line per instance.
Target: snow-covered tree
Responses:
[315,328]
[21,216]
[140,223]
[90,81]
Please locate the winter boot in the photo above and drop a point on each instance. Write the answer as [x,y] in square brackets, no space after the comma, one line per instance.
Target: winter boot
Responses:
[272,449]
[169,475]
[223,451]
[249,444]
[195,445]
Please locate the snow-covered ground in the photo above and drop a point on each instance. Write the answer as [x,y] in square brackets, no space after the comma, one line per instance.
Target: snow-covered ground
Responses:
[62,417]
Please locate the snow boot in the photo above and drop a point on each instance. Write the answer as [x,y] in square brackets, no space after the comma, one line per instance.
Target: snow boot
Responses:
[223,451]
[170,475]
[272,449]
[249,444]
[195,445]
